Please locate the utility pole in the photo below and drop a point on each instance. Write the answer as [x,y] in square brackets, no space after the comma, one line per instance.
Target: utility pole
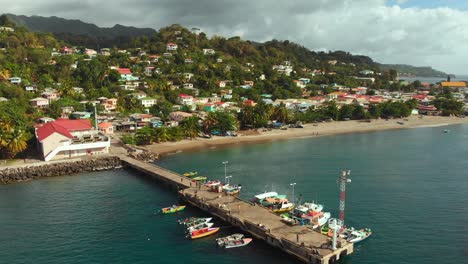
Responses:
[225,168]
[95,117]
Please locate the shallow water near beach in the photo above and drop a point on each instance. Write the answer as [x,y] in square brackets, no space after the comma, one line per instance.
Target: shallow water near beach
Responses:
[409,186]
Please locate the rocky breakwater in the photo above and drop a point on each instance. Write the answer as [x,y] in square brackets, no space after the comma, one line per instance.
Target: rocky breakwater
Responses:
[26,173]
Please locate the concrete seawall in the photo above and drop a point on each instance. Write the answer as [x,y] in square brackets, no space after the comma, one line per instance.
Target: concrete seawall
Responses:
[16,174]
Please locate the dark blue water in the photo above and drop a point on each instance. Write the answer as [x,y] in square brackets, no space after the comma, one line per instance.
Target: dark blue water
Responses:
[409,186]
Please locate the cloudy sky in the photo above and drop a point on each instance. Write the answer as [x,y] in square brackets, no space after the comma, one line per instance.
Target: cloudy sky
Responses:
[418,32]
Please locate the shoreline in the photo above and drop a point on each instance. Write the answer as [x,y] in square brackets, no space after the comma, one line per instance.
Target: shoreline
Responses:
[309,131]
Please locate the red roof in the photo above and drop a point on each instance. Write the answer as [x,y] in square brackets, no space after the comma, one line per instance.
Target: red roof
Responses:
[63,127]
[124,71]
[104,125]
[171,44]
[185,95]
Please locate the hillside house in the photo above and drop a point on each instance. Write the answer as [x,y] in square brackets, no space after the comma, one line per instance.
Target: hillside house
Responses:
[78,90]
[188,61]
[67,51]
[148,102]
[30,88]
[188,85]
[66,138]
[39,102]
[90,53]
[126,75]
[221,84]
[185,99]
[171,46]
[51,95]
[106,128]
[81,115]
[149,70]
[178,116]
[366,72]
[208,52]
[15,80]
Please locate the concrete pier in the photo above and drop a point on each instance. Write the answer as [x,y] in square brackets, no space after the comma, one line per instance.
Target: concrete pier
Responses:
[300,241]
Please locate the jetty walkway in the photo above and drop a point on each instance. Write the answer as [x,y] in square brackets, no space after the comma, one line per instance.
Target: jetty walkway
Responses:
[300,241]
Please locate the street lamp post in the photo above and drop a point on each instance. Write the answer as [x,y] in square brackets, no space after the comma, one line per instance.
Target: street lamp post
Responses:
[225,168]
[227,179]
[293,184]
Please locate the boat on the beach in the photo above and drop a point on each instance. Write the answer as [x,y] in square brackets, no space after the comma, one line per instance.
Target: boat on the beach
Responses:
[203,232]
[356,236]
[190,174]
[172,209]
[223,240]
[199,226]
[238,243]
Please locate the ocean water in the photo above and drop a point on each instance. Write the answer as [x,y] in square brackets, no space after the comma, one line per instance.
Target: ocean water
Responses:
[409,186]
[434,80]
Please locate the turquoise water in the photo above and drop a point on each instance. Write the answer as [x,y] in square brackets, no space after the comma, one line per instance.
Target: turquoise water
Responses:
[409,186]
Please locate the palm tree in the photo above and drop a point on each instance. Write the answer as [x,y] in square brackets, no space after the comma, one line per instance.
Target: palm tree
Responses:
[145,136]
[17,142]
[209,122]
[161,134]
[247,117]
[281,114]
[191,126]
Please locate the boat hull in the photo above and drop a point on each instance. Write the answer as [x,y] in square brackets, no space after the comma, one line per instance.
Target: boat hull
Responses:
[208,232]
[170,210]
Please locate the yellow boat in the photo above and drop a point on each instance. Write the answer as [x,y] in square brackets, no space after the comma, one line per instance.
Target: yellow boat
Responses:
[283,209]
[190,174]
[172,209]
[204,232]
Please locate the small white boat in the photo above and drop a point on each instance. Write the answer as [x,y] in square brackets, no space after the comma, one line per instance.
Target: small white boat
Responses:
[306,207]
[446,130]
[212,183]
[194,221]
[223,240]
[199,226]
[356,236]
[238,243]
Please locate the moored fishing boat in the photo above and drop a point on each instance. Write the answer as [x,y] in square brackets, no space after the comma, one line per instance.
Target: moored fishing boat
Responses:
[317,219]
[261,197]
[288,219]
[199,226]
[199,178]
[223,240]
[356,236]
[306,207]
[172,209]
[190,174]
[232,190]
[238,243]
[203,232]
[193,220]
[212,183]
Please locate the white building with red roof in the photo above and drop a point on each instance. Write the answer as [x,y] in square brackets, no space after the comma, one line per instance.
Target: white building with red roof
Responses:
[126,75]
[185,99]
[171,46]
[65,138]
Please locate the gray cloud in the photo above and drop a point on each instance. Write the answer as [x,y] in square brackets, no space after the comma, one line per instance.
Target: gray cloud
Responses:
[388,34]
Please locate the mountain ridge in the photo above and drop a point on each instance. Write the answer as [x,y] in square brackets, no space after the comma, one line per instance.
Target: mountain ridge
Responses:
[80,33]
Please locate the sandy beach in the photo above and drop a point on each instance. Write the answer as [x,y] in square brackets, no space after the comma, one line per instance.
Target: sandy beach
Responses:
[309,130]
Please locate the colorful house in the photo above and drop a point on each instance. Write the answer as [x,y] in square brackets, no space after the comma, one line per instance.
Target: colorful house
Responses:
[39,102]
[106,128]
[171,46]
